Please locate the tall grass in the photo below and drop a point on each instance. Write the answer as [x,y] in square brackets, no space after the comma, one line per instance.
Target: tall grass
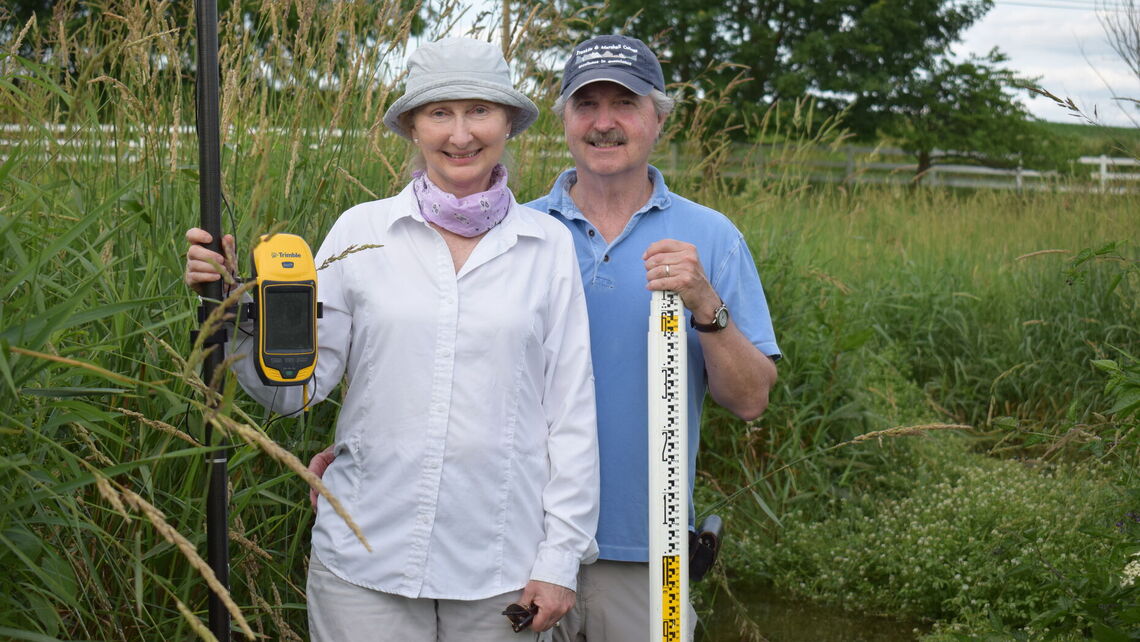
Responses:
[900,306]
[893,306]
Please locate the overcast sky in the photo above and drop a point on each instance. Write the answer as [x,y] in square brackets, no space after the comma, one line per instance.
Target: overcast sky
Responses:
[1063,42]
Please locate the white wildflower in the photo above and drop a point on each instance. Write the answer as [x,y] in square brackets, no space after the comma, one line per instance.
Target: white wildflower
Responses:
[1131,572]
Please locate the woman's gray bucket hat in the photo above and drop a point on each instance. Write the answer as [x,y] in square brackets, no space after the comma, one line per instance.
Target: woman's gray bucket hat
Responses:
[460,69]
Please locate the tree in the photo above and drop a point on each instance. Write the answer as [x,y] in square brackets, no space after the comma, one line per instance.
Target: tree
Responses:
[883,64]
[1121,23]
[965,110]
[839,48]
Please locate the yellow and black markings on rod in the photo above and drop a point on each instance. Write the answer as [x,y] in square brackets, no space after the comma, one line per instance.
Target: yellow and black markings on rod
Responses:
[668,470]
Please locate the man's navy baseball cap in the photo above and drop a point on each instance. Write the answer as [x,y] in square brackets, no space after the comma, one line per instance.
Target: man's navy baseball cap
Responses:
[621,59]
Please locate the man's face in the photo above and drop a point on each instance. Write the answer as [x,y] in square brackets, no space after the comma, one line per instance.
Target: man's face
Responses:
[610,130]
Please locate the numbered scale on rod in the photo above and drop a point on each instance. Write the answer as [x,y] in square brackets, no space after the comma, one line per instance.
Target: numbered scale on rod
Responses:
[668,470]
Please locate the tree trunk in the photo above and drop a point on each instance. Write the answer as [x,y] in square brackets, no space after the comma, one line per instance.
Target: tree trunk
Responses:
[924,166]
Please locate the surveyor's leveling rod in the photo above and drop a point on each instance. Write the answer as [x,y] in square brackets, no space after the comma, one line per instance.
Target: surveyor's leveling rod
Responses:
[210,200]
[668,470]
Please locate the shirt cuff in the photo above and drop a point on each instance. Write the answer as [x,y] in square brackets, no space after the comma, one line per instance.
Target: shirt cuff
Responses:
[556,567]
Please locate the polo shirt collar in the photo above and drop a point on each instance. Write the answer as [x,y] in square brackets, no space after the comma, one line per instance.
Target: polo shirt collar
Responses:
[561,202]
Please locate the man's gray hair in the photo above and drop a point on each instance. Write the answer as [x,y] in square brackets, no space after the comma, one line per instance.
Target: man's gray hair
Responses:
[662,102]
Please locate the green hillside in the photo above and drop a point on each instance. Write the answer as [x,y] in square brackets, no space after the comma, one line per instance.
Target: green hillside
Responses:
[1094,140]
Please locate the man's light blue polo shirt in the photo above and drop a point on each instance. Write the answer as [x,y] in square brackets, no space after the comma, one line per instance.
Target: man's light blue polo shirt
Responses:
[618,302]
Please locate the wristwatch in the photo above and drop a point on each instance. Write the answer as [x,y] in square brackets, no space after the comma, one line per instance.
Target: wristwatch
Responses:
[720,320]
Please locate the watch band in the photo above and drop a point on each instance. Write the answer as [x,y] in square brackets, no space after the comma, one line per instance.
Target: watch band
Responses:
[720,320]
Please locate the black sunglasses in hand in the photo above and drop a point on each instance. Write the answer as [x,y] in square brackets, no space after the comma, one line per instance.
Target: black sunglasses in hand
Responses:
[520,616]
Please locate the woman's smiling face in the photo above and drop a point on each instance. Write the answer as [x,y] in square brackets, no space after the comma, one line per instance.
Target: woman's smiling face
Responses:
[461,142]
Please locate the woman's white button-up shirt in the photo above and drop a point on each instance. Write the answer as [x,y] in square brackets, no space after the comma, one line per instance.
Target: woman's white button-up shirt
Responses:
[466,447]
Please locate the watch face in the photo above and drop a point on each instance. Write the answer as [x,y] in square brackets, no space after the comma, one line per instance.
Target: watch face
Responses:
[721,317]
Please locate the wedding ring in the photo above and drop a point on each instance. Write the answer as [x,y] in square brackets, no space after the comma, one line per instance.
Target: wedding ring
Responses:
[666,270]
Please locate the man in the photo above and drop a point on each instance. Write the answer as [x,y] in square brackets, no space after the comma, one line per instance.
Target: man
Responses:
[633,235]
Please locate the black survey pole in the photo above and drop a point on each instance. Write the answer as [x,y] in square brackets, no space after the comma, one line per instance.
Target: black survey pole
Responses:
[210,199]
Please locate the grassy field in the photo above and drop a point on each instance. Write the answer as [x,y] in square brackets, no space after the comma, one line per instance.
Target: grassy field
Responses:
[1094,140]
[973,335]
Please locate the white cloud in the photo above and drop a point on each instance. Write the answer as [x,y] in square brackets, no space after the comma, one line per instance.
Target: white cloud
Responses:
[1065,47]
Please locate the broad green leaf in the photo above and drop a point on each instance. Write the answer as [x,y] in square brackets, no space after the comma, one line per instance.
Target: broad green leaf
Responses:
[1127,402]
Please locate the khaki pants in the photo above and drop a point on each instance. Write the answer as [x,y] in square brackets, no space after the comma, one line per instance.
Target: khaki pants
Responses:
[343,612]
[612,605]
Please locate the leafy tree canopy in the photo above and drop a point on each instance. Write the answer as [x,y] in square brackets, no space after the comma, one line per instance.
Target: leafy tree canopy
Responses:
[961,112]
[792,47]
[883,63]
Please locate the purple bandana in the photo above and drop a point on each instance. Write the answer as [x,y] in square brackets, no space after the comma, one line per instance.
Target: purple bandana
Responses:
[468,216]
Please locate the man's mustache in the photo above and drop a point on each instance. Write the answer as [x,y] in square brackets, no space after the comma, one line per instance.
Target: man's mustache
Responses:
[612,137]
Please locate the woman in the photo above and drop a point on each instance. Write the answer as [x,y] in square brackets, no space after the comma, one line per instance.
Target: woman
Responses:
[466,446]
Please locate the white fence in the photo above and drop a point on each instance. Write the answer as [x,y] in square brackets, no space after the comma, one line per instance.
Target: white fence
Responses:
[854,164]
[71,144]
[850,164]
[1107,173]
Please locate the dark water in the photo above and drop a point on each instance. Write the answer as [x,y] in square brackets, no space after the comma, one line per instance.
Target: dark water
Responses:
[784,620]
